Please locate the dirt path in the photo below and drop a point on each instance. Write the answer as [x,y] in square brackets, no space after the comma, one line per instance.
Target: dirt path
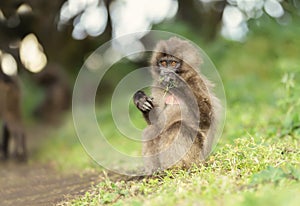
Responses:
[34,183]
[40,184]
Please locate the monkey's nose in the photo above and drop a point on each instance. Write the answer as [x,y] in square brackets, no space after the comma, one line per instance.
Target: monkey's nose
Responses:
[167,72]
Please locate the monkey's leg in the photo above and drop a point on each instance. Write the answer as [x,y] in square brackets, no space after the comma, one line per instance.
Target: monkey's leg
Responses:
[144,104]
[150,157]
[151,139]
[5,138]
[20,147]
[180,146]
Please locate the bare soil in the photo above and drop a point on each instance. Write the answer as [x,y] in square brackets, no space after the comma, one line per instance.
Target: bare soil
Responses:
[35,184]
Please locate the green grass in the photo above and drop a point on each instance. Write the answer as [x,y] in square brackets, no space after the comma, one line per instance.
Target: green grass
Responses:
[247,172]
[257,160]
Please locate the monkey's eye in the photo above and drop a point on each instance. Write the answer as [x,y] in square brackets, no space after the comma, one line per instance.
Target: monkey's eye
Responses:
[173,63]
[163,63]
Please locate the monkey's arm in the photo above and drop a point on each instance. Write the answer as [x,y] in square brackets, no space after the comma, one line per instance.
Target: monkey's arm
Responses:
[144,104]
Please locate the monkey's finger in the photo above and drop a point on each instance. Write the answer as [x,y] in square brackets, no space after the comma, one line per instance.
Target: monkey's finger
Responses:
[150,99]
[145,107]
[148,105]
[142,108]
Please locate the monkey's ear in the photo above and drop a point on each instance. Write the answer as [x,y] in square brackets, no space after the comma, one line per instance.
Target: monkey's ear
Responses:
[156,56]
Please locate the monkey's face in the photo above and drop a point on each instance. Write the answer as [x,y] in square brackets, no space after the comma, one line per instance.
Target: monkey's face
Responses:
[168,67]
[174,61]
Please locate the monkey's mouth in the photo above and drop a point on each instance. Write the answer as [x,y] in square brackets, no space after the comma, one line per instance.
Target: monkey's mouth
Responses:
[168,80]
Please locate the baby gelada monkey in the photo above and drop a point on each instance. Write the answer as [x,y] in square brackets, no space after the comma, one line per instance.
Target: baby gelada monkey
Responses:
[181,111]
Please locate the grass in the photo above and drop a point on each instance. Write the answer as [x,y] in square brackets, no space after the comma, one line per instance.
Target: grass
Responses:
[237,174]
[257,160]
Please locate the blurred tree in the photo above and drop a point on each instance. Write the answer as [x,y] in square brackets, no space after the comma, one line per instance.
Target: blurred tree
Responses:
[203,17]
[54,23]
[40,18]
[36,19]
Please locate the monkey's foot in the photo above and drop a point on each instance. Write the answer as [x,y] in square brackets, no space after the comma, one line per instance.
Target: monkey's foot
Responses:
[142,101]
[20,157]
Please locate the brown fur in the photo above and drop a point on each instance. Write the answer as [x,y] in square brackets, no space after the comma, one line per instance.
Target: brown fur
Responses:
[11,115]
[181,134]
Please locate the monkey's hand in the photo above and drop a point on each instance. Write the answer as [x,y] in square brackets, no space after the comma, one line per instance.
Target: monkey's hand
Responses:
[143,102]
